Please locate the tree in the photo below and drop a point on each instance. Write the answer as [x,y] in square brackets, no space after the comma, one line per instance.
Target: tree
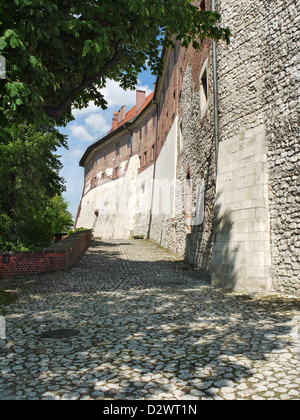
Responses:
[31,206]
[59,53]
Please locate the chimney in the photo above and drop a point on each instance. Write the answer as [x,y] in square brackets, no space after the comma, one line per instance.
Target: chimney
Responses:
[140,99]
[122,114]
[115,121]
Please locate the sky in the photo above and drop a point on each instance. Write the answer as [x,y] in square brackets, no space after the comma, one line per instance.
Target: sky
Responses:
[89,125]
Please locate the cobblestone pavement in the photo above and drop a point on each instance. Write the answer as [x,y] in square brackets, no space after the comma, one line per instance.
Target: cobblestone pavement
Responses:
[142,325]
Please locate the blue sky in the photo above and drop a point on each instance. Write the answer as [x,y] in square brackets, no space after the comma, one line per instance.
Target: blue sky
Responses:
[90,124]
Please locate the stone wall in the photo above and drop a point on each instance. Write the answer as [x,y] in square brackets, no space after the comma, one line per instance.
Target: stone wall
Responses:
[281,93]
[241,257]
[259,93]
[196,159]
[237,218]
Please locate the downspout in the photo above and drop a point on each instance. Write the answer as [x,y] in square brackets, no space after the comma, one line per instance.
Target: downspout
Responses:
[131,138]
[216,104]
[79,207]
[154,173]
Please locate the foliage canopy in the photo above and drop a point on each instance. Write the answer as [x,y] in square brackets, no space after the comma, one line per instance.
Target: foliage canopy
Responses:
[59,53]
[31,206]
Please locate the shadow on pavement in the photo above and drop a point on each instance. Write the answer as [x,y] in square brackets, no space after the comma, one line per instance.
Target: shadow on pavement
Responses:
[146,326]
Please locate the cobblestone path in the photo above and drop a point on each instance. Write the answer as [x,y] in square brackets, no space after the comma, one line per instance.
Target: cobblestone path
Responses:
[142,325]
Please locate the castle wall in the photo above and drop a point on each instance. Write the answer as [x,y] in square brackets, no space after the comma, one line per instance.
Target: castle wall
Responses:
[281,69]
[143,202]
[196,159]
[164,191]
[257,238]
[241,257]
[237,218]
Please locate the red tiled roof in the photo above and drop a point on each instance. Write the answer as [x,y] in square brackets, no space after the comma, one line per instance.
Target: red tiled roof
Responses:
[129,115]
[133,113]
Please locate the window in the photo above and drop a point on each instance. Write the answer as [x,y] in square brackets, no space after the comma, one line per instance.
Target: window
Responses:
[116,172]
[117,146]
[145,159]
[152,151]
[141,134]
[204,89]
[204,85]
[105,155]
[146,129]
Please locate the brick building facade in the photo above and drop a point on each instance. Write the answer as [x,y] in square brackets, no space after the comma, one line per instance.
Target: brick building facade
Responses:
[208,164]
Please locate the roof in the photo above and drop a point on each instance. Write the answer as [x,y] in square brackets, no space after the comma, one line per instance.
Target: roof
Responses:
[131,115]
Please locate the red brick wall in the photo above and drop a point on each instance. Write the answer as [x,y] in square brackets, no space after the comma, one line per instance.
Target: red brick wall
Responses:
[27,263]
[78,249]
[144,139]
[97,162]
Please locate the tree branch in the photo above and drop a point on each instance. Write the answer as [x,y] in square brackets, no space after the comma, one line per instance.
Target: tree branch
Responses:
[57,112]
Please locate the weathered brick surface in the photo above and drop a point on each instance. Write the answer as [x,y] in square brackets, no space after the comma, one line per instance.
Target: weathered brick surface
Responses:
[32,263]
[60,256]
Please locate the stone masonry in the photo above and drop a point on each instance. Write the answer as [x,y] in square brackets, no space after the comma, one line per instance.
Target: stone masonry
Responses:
[236,218]
[258,78]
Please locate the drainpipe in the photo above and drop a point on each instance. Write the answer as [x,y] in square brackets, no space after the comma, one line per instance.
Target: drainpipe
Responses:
[215,83]
[154,173]
[131,138]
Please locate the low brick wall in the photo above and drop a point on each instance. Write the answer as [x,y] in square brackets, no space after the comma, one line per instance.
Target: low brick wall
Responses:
[58,257]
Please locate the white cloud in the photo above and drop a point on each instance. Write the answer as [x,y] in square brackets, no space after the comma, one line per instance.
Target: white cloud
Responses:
[92,122]
[117,97]
[76,153]
[97,124]
[89,109]
[80,132]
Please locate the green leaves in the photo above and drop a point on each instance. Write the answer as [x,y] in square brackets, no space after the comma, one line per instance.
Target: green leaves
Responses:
[31,207]
[57,50]
[14,39]
[16,94]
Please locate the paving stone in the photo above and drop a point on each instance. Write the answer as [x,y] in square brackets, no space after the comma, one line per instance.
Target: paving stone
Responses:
[144,336]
